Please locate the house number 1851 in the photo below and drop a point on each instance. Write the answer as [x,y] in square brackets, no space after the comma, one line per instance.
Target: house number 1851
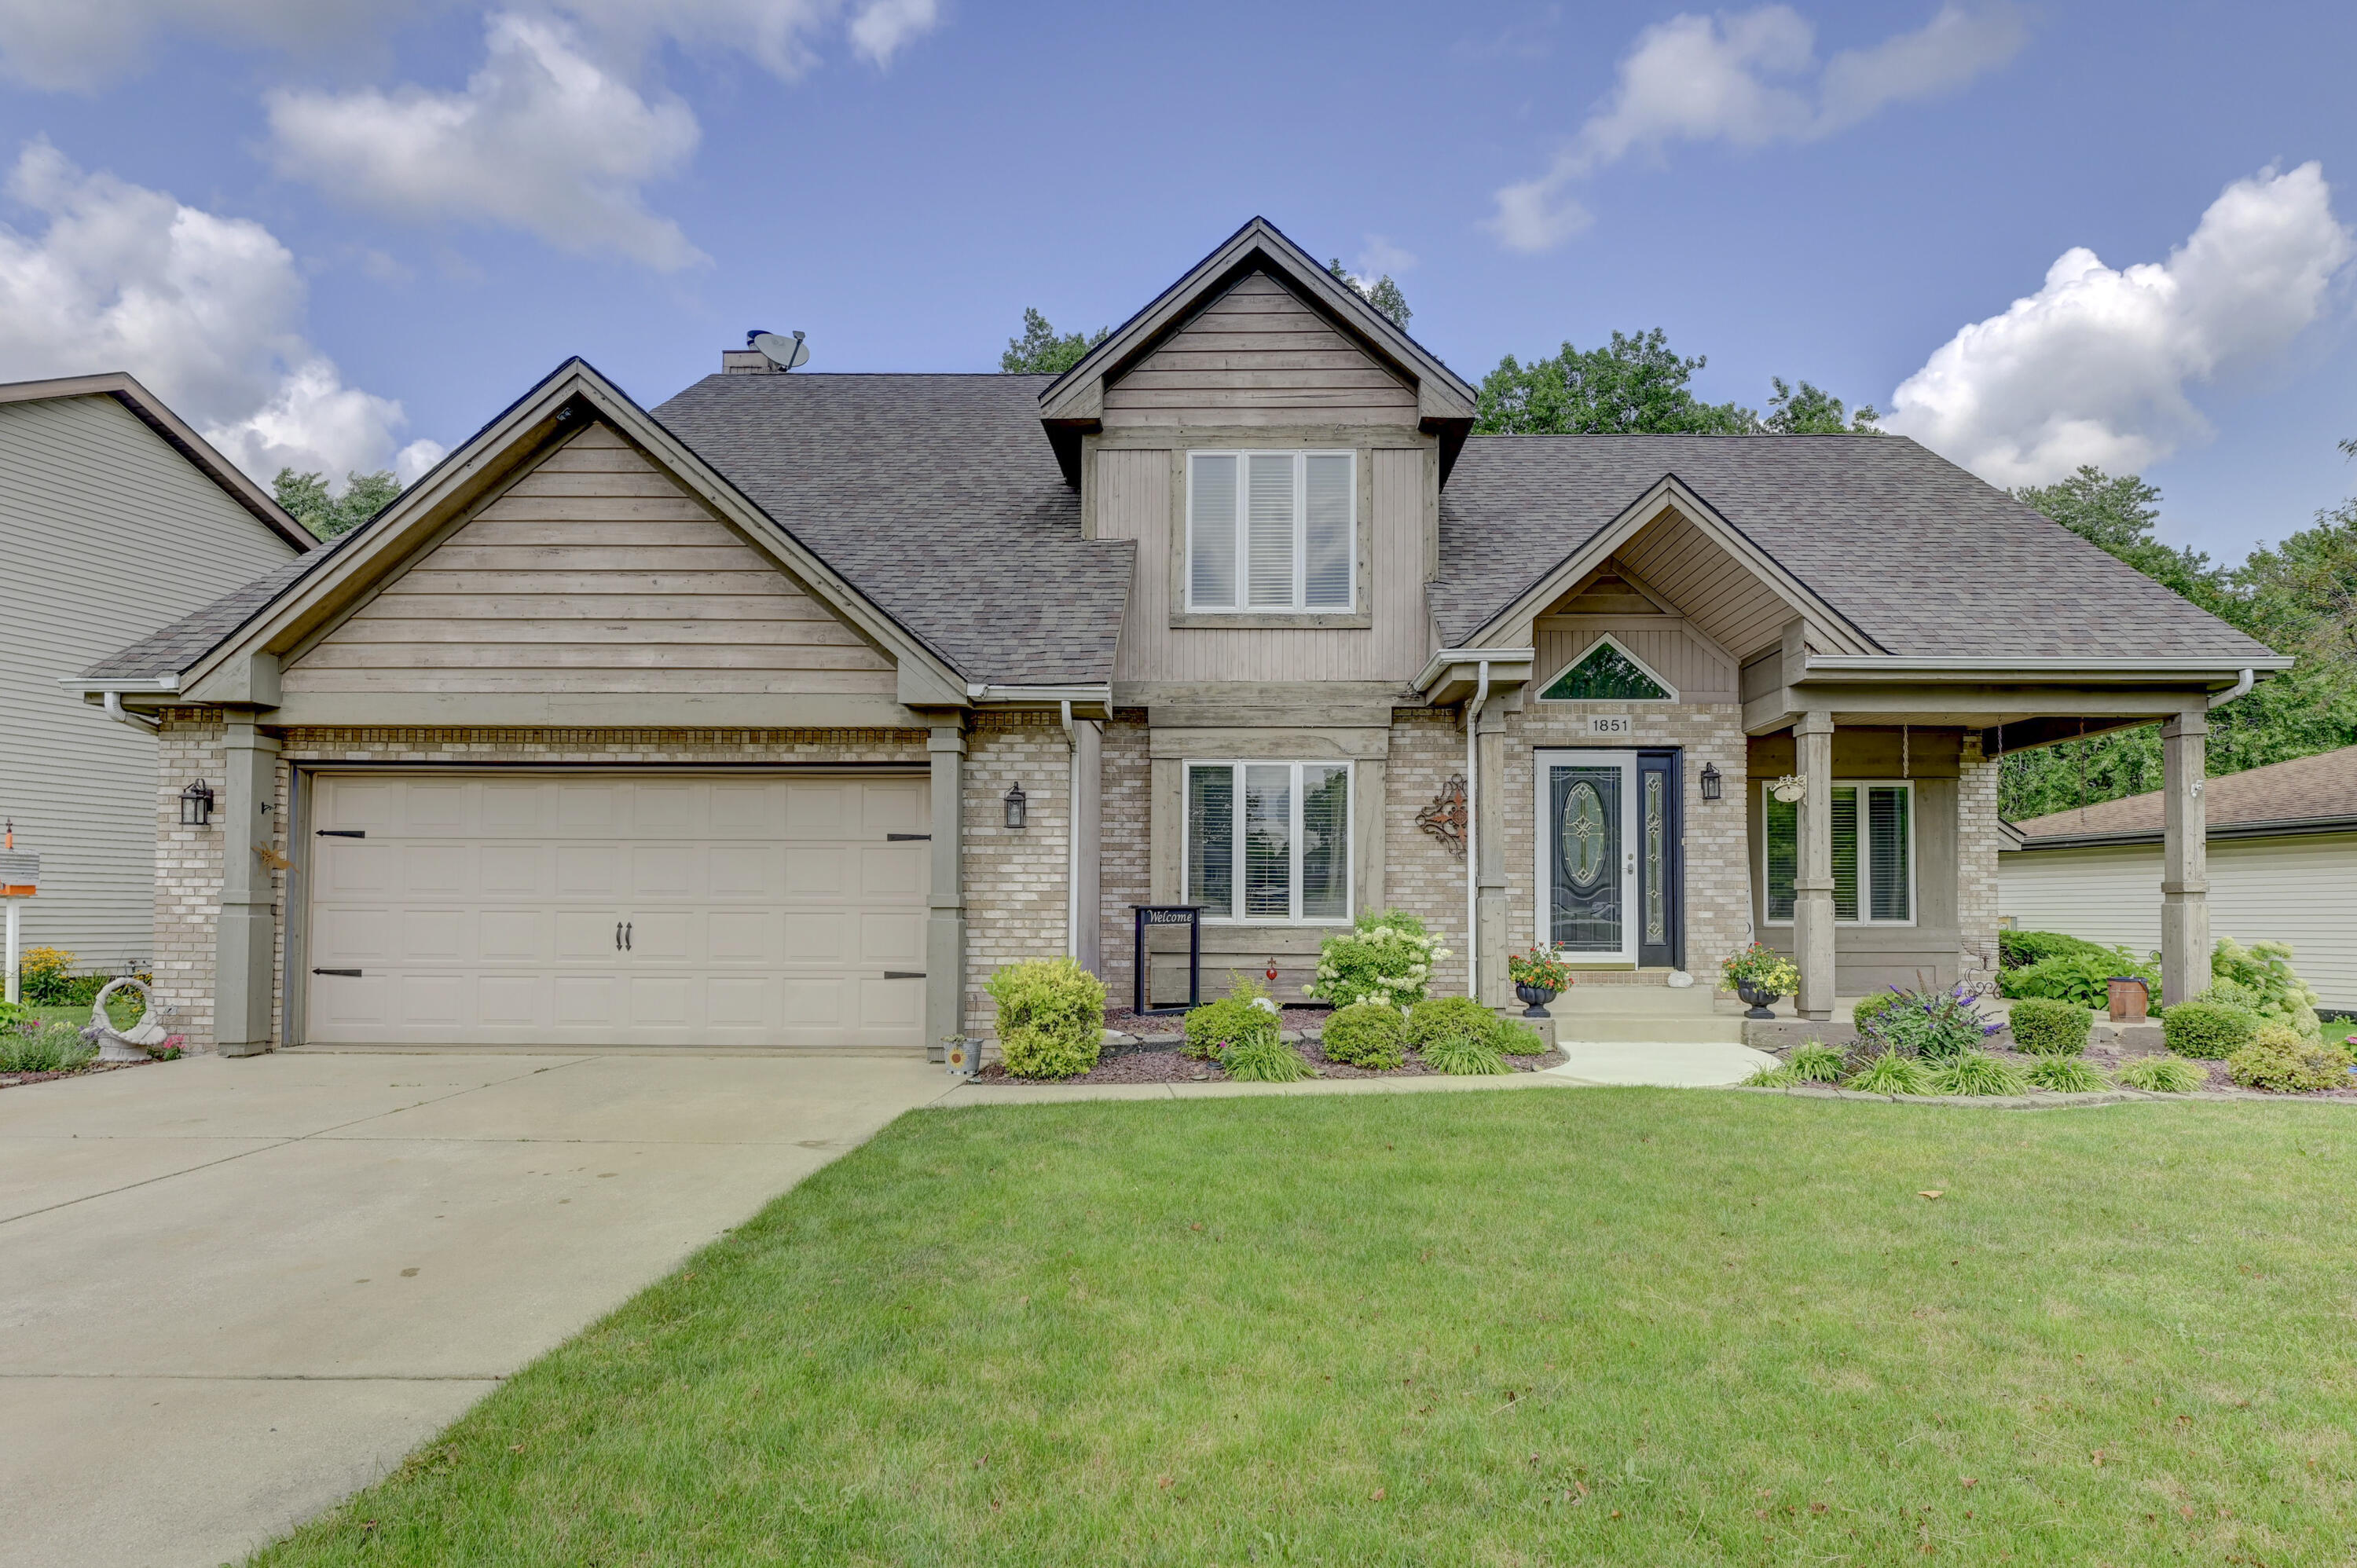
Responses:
[1612,724]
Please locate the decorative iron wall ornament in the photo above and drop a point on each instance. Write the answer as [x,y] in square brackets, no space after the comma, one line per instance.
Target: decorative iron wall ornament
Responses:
[1445,818]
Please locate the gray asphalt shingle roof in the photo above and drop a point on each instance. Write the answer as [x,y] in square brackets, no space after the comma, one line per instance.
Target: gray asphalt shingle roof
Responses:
[189,639]
[938,497]
[1922,556]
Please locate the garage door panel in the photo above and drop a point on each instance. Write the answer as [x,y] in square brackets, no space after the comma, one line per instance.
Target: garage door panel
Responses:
[763,909]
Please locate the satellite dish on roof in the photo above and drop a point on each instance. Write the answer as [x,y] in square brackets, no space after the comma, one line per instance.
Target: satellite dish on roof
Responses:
[783,353]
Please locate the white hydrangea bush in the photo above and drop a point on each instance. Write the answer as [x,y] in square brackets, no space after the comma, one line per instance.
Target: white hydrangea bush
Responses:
[1386,957]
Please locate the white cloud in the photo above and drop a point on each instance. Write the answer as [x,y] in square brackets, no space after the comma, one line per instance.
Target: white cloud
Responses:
[880,27]
[207,311]
[84,44]
[543,139]
[2093,367]
[1380,258]
[1748,80]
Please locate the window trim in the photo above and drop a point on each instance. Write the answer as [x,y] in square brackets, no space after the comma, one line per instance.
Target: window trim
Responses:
[1625,651]
[1865,863]
[1236,848]
[1300,608]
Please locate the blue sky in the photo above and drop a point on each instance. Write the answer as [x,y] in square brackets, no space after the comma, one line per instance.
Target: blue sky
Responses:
[291,215]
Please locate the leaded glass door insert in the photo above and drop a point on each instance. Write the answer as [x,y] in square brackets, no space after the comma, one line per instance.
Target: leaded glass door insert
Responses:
[1591,859]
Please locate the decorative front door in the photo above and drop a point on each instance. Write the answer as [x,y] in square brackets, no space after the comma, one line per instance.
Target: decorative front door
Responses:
[1587,853]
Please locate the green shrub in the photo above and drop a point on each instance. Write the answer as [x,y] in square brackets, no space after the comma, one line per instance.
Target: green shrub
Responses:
[1232,1020]
[1778,1075]
[1816,1062]
[2045,1028]
[2020,949]
[1265,1060]
[1516,1038]
[1437,1017]
[1386,956]
[1935,1026]
[2082,979]
[2207,1029]
[2260,977]
[1367,1035]
[12,1016]
[1977,1072]
[2064,1075]
[1051,1017]
[2281,1059]
[2162,1075]
[1891,1073]
[1464,1056]
[56,1048]
[1869,1008]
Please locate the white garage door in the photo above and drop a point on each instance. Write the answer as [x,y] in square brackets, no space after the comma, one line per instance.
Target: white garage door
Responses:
[627,909]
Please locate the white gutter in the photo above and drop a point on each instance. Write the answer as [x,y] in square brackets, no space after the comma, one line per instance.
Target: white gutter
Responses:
[2243,684]
[1440,661]
[133,684]
[1873,666]
[123,716]
[1472,842]
[981,692]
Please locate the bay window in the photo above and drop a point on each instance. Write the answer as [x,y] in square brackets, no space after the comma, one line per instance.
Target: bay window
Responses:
[1271,531]
[1874,854]
[1269,841]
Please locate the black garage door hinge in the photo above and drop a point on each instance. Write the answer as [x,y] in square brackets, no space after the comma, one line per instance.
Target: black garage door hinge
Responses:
[341,833]
[905,838]
[904,974]
[352,974]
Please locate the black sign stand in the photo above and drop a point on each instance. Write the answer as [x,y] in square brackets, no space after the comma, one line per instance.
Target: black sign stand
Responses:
[1187,915]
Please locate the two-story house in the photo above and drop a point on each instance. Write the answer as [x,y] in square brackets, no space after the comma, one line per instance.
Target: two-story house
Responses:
[784,713]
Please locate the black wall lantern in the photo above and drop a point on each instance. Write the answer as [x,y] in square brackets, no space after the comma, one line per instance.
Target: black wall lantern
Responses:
[1016,803]
[1711,784]
[195,805]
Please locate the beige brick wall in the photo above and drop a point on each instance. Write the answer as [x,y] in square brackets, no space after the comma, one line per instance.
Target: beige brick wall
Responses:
[1717,866]
[1125,847]
[187,873]
[1977,834]
[1016,883]
[1421,875]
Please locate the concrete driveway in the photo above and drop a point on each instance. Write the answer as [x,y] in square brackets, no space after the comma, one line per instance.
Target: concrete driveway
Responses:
[231,1292]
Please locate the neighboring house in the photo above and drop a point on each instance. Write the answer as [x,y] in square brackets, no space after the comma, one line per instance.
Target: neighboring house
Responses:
[707,726]
[2283,867]
[116,517]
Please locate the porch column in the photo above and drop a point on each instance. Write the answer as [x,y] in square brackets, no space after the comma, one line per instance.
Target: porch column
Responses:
[1812,885]
[245,938]
[945,923]
[2184,858]
[1490,753]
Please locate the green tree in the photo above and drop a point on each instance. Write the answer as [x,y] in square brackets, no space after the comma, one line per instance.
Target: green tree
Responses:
[1383,294]
[1040,351]
[305,497]
[1808,410]
[2117,513]
[1634,386]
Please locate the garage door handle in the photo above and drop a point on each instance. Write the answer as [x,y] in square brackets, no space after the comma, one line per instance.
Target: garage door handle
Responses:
[348,973]
[904,974]
[617,936]
[341,833]
[627,929]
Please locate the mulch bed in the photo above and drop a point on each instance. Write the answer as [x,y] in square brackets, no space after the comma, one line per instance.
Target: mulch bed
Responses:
[19,1079]
[1165,1064]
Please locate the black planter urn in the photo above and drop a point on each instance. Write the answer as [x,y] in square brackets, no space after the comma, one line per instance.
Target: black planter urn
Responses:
[1761,1000]
[1537,996]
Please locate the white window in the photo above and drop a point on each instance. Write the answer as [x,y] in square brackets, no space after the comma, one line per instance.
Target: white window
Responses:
[1271,531]
[1269,841]
[1874,854]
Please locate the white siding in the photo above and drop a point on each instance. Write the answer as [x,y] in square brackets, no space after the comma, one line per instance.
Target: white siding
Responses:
[106,534]
[2298,890]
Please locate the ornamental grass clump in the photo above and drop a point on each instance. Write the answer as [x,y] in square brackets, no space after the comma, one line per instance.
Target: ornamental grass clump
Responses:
[2209,1030]
[1777,1076]
[1371,1035]
[1265,1060]
[53,1048]
[1464,1056]
[2064,1075]
[1816,1062]
[1051,1017]
[2162,1075]
[1891,1073]
[1932,1025]
[2282,1061]
[1977,1072]
[2045,1028]
[1386,956]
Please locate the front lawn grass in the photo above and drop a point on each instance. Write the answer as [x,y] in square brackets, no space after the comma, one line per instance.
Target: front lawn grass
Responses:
[1623,1326]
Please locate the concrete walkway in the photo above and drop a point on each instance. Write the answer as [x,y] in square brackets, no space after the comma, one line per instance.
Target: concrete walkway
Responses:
[1671,1064]
[232,1292]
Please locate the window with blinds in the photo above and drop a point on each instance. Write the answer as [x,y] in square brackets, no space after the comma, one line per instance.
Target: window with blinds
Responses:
[1269,841]
[1873,854]
[1271,530]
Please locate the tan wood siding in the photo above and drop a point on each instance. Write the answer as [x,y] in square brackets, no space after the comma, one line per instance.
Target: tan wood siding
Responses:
[108,533]
[593,573]
[2293,890]
[1697,671]
[1133,501]
[1258,355]
[1731,605]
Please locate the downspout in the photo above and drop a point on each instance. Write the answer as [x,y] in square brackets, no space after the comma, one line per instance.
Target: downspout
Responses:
[2243,685]
[123,716]
[1472,839]
[1072,835]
